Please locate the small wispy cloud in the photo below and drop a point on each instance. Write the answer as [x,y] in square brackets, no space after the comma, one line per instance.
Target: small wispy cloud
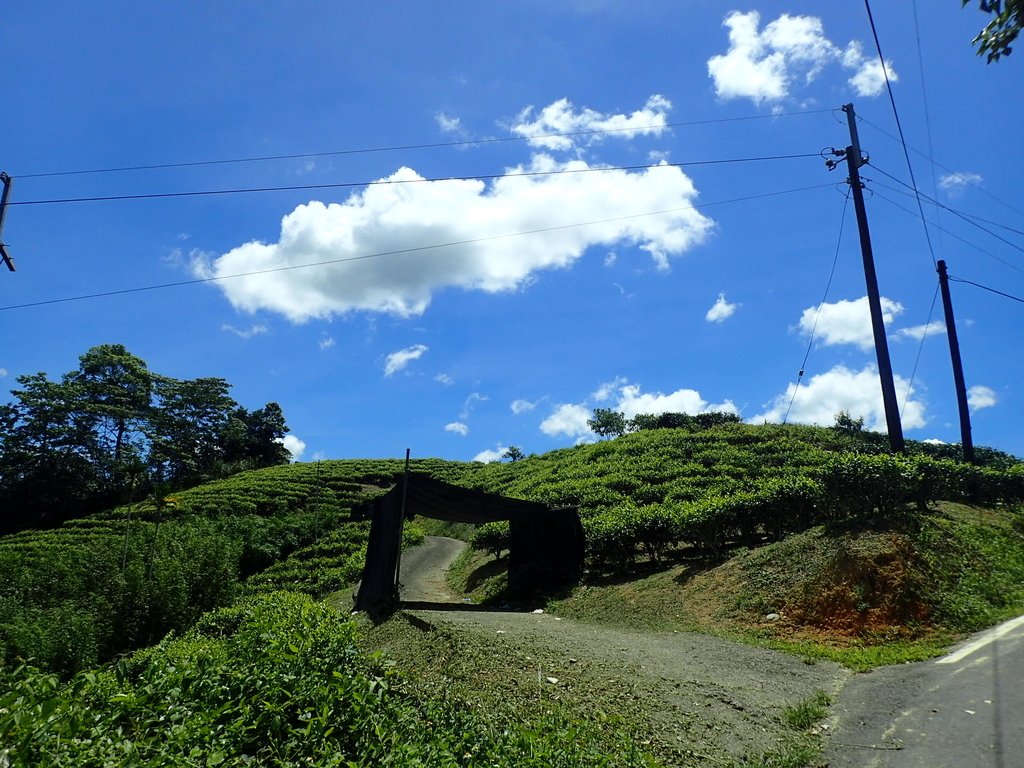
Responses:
[955,182]
[396,361]
[522,406]
[457,427]
[443,378]
[244,333]
[979,397]
[3,373]
[721,310]
[918,332]
[326,342]
[471,401]
[449,124]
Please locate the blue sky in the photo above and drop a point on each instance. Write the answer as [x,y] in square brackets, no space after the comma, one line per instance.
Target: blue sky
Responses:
[457,316]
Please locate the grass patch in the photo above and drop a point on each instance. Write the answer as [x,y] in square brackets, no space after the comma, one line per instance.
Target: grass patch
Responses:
[808,712]
[479,576]
[505,686]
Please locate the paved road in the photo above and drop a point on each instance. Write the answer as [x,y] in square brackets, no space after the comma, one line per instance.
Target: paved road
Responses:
[965,710]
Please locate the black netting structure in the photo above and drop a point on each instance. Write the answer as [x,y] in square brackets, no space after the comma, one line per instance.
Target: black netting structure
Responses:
[546,544]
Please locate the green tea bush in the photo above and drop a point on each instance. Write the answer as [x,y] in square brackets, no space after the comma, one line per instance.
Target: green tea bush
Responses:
[491,537]
[277,680]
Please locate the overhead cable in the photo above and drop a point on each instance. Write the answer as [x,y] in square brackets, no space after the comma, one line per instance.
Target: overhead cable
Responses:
[986,288]
[287,268]
[949,170]
[972,220]
[899,127]
[410,147]
[814,328]
[384,182]
[952,234]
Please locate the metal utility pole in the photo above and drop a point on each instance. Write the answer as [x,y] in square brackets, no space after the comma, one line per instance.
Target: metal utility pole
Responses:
[854,161]
[958,368]
[8,182]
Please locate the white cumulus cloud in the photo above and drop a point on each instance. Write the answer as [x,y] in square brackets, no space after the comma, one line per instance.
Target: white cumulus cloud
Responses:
[869,77]
[859,393]
[294,446]
[847,322]
[396,361]
[979,397]
[561,117]
[457,427]
[764,64]
[491,454]
[570,419]
[721,310]
[469,218]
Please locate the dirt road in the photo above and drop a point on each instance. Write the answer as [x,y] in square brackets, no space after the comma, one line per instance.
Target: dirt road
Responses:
[709,699]
[422,574]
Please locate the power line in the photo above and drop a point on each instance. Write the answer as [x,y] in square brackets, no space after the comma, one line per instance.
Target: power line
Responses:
[952,234]
[380,182]
[920,349]
[933,161]
[814,328]
[927,115]
[986,288]
[415,249]
[899,127]
[972,220]
[409,147]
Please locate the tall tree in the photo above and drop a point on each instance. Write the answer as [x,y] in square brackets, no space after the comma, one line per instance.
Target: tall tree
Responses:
[251,440]
[607,423]
[48,454]
[186,427]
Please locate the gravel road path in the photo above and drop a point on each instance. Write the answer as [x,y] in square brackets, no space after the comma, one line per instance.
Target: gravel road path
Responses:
[422,573]
[712,698]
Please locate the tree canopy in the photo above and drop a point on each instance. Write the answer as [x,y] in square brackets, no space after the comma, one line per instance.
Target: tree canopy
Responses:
[997,36]
[111,429]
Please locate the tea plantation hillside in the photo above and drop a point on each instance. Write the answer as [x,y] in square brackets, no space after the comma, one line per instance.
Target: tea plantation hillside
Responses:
[81,594]
[222,582]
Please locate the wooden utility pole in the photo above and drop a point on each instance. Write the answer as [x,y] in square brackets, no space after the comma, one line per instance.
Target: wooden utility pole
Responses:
[854,161]
[8,182]
[958,369]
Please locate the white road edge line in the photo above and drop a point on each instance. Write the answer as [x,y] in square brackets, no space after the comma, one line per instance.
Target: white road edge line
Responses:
[993,634]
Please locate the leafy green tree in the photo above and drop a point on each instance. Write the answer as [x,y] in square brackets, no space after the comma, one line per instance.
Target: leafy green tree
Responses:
[108,430]
[116,387]
[253,440]
[48,454]
[186,429]
[607,423]
[996,38]
[846,423]
[513,453]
